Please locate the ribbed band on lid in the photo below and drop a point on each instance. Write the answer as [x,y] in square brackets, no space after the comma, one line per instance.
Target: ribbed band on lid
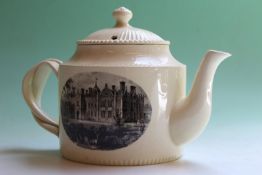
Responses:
[123,32]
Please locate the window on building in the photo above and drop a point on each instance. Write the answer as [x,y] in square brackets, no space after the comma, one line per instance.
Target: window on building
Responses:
[110,103]
[77,114]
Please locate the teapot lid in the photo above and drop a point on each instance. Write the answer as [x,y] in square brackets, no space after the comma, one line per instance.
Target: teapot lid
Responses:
[122,33]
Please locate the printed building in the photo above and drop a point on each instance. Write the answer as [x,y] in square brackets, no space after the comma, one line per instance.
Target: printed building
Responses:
[109,105]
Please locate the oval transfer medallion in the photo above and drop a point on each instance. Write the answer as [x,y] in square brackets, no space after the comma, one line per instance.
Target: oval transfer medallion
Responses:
[103,111]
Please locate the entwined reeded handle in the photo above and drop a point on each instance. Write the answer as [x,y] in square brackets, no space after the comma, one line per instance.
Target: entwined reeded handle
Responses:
[33,85]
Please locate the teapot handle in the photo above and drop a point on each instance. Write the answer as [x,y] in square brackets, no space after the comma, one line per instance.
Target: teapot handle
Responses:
[33,85]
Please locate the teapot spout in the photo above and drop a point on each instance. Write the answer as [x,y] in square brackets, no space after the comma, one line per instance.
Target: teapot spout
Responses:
[190,115]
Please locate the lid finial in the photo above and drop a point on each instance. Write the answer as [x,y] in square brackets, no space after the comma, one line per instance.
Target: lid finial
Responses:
[122,16]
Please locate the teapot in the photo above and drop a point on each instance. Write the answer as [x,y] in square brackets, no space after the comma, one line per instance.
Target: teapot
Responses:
[122,97]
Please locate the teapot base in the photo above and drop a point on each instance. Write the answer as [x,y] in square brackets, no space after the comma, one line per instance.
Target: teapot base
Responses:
[125,162]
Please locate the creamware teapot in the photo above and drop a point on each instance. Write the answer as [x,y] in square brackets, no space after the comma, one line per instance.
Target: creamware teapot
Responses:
[122,97]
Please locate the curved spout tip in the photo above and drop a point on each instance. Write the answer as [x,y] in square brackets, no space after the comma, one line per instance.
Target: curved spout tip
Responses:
[220,54]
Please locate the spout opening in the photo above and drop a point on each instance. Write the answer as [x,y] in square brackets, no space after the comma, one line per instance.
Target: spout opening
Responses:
[224,54]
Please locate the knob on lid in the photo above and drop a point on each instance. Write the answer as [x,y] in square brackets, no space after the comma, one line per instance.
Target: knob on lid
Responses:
[122,16]
[122,32]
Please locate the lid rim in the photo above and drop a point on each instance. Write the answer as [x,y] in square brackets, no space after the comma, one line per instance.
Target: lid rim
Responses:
[121,42]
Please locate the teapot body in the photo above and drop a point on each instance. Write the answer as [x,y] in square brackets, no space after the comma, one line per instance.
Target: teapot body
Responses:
[115,104]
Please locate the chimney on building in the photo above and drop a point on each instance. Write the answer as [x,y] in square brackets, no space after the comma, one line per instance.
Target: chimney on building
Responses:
[122,86]
[113,87]
[90,90]
[132,89]
[82,91]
